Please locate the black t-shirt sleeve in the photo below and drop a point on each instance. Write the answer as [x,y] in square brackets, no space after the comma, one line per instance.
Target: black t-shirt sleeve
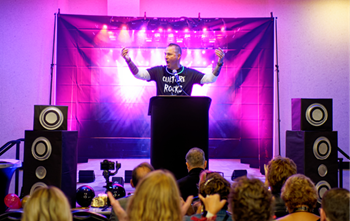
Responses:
[155,73]
[197,76]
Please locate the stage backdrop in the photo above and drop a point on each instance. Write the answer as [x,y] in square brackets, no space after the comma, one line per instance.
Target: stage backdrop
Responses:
[109,107]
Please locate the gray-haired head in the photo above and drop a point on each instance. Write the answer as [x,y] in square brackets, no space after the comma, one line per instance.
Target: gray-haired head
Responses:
[195,157]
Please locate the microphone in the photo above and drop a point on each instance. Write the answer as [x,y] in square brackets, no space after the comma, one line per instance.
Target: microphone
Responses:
[176,76]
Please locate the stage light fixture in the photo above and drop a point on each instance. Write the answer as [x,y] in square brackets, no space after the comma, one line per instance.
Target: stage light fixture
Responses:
[104,26]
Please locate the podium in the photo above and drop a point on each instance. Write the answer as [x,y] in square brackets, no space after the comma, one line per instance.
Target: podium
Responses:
[178,123]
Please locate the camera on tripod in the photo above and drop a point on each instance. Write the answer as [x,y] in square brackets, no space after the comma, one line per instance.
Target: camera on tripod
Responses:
[117,190]
[109,165]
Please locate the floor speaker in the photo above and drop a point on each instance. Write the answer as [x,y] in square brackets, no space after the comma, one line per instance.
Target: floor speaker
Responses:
[50,117]
[315,153]
[312,114]
[50,159]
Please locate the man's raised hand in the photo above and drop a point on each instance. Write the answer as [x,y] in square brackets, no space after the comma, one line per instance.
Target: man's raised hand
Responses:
[125,54]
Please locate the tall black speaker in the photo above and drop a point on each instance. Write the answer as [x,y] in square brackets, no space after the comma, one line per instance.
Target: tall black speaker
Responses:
[50,117]
[50,159]
[316,155]
[312,114]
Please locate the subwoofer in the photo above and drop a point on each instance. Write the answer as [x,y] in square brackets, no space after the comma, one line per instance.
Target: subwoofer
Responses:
[50,117]
[50,159]
[312,114]
[316,155]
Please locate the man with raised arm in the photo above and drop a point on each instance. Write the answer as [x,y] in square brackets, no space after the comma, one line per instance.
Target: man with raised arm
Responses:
[174,79]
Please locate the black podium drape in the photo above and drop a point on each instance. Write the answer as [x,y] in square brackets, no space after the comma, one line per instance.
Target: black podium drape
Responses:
[178,123]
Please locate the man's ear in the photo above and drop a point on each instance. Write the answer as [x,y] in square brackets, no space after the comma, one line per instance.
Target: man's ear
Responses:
[322,215]
[205,164]
[188,166]
[132,184]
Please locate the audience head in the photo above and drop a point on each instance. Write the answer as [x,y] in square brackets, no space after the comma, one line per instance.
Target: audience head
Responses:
[250,199]
[335,205]
[156,198]
[298,191]
[195,158]
[47,203]
[139,172]
[278,171]
[214,183]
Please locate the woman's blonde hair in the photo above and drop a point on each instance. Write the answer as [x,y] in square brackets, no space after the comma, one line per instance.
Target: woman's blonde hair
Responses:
[156,198]
[47,204]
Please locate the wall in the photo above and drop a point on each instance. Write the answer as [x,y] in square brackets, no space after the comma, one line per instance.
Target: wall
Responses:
[313,51]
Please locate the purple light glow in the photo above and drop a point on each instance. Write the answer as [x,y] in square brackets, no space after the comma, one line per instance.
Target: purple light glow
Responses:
[106,100]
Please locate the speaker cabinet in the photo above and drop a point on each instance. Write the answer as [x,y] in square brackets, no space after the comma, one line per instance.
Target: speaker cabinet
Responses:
[312,114]
[50,159]
[50,117]
[315,153]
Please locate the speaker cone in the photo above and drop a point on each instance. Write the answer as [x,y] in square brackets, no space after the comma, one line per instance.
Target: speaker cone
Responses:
[36,186]
[40,172]
[321,188]
[322,148]
[316,114]
[41,148]
[51,118]
[322,170]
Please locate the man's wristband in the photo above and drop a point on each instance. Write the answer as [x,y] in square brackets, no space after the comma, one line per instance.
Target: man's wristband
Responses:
[220,64]
[209,214]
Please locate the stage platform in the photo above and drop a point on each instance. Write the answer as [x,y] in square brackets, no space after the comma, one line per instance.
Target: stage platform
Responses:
[227,166]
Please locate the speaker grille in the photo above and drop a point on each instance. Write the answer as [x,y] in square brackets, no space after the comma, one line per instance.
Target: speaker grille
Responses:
[36,186]
[322,170]
[316,114]
[41,148]
[40,172]
[51,118]
[322,187]
[322,148]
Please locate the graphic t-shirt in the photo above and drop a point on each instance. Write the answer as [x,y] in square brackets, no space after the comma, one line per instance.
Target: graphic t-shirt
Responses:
[166,81]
